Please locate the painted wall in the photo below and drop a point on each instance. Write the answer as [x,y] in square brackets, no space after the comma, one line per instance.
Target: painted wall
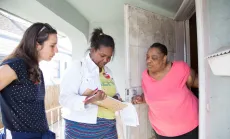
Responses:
[213,32]
[218,87]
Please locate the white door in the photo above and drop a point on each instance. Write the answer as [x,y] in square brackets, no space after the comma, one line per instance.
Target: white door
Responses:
[142,29]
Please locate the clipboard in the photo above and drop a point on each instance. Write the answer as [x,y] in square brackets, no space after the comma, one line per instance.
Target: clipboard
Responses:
[111,104]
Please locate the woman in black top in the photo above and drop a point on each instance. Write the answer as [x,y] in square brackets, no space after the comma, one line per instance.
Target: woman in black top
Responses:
[22,84]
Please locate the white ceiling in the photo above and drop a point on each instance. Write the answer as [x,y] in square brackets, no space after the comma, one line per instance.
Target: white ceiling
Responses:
[113,10]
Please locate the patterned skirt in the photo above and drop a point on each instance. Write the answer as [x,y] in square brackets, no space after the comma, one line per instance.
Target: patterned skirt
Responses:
[104,129]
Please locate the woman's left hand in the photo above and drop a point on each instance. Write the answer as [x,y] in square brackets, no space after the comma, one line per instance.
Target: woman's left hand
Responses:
[118,98]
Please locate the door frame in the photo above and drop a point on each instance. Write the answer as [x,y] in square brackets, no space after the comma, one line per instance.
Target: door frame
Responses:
[202,43]
[184,13]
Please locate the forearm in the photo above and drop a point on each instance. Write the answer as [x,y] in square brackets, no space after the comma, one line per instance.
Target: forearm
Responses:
[196,82]
[192,81]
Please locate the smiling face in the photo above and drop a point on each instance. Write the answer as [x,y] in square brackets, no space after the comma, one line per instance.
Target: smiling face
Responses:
[47,50]
[155,60]
[102,56]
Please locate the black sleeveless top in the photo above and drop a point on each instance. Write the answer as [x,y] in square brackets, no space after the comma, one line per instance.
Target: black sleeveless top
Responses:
[22,101]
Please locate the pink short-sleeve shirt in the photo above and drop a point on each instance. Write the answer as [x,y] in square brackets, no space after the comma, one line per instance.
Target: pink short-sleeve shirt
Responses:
[173,109]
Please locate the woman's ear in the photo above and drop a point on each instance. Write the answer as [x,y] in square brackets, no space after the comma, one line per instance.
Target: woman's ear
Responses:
[38,46]
[92,50]
[165,58]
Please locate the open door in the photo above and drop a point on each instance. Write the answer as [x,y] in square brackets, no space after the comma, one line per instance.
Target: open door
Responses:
[142,29]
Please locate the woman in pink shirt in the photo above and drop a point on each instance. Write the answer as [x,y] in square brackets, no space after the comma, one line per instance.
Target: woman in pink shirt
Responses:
[173,108]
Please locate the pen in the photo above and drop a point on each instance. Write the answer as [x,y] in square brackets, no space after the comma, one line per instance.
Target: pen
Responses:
[87,98]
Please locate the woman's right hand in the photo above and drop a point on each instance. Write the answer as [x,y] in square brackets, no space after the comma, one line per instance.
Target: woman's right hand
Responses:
[138,99]
[99,95]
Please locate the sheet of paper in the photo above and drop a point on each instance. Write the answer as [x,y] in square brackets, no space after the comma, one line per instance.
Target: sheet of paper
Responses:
[129,115]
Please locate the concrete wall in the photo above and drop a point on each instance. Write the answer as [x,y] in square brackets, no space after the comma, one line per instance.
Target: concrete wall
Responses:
[34,11]
[117,65]
[213,32]
[144,29]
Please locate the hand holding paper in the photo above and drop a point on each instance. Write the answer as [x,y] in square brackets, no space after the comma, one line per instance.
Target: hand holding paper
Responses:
[98,96]
[129,115]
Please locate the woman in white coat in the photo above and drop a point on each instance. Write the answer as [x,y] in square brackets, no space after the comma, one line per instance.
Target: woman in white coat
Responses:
[85,78]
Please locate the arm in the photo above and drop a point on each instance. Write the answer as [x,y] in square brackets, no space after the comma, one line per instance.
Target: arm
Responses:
[7,75]
[192,80]
[69,87]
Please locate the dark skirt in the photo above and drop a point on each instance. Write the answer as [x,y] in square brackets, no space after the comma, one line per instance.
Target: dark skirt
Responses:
[190,135]
[104,129]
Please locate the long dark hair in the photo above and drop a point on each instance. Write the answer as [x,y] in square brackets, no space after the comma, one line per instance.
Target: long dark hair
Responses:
[26,50]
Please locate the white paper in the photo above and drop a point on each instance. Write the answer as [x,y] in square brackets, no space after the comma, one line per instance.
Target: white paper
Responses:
[129,115]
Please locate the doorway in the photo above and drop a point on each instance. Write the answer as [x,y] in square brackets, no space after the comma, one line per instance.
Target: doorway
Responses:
[193,48]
